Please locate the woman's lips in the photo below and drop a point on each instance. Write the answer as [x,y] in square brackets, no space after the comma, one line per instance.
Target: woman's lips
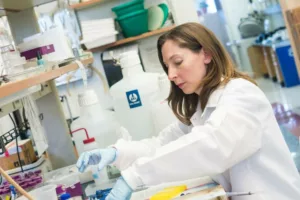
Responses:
[180,85]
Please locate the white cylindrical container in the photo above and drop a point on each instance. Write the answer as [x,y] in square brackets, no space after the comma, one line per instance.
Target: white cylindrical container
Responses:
[162,114]
[132,97]
[94,121]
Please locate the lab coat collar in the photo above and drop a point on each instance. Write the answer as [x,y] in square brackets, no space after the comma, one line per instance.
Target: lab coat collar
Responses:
[212,103]
[214,97]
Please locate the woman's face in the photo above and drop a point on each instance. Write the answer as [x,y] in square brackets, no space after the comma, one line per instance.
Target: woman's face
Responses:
[185,67]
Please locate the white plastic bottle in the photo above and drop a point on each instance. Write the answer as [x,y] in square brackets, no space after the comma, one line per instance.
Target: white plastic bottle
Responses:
[132,97]
[99,177]
[162,114]
[95,121]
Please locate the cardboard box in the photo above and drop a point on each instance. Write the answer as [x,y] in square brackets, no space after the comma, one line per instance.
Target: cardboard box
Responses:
[9,160]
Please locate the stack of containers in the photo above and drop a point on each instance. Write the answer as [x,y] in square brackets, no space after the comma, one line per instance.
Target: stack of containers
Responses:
[132,18]
[98,32]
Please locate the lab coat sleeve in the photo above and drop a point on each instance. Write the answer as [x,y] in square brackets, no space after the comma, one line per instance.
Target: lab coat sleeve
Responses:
[231,134]
[129,151]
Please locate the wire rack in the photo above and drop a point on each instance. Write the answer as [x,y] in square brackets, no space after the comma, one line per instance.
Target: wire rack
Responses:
[10,136]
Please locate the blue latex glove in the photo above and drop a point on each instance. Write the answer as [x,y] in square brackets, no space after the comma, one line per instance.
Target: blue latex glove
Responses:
[100,157]
[120,191]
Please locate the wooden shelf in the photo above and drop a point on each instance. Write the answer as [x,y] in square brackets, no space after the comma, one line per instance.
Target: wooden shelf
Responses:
[132,39]
[16,86]
[86,4]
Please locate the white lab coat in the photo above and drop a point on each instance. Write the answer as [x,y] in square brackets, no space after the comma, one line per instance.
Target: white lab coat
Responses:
[236,141]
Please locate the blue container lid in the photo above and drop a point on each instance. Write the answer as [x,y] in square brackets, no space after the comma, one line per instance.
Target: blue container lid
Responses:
[65,196]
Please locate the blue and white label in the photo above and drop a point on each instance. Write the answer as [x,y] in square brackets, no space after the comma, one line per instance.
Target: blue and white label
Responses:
[134,99]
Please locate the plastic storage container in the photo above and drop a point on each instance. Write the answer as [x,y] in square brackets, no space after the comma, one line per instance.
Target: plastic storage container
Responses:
[129,7]
[132,97]
[287,63]
[162,114]
[134,23]
[94,121]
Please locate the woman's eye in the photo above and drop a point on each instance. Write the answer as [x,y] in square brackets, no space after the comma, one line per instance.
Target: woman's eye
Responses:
[178,62]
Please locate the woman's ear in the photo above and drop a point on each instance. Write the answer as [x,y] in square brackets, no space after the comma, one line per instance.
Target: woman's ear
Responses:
[207,57]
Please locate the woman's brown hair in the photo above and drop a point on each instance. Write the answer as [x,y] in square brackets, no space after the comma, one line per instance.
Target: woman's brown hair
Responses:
[220,70]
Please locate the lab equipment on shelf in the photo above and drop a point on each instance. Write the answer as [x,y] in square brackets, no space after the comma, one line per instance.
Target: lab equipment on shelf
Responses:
[132,97]
[52,44]
[132,17]
[98,32]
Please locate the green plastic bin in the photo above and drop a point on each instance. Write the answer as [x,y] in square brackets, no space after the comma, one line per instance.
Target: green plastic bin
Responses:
[135,23]
[129,7]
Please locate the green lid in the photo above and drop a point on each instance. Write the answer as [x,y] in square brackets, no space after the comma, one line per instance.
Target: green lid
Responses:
[124,5]
[131,14]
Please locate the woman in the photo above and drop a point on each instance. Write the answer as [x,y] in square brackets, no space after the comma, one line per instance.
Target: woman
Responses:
[226,128]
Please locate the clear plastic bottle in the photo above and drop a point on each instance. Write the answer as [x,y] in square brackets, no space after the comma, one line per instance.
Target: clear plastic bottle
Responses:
[132,97]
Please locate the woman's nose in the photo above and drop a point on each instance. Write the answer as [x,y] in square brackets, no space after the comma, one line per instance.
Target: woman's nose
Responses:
[172,73]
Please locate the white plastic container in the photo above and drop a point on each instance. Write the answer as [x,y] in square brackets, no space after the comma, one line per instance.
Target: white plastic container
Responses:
[132,97]
[100,40]
[162,114]
[96,121]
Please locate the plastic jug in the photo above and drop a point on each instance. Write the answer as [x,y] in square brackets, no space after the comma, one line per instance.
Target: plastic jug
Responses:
[162,114]
[132,97]
[94,122]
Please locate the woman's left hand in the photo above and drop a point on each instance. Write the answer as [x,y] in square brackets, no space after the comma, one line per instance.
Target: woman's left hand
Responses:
[120,191]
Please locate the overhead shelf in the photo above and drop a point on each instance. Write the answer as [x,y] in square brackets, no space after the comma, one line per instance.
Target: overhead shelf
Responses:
[16,86]
[132,39]
[86,4]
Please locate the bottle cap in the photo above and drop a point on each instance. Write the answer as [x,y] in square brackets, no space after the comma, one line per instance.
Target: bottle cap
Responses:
[87,98]
[90,140]
[65,196]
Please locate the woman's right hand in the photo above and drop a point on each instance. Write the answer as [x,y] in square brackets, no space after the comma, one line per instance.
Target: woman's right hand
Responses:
[100,157]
